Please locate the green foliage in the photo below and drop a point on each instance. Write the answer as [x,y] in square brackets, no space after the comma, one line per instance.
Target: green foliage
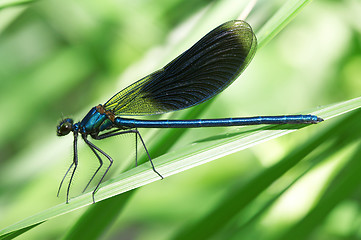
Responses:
[65,57]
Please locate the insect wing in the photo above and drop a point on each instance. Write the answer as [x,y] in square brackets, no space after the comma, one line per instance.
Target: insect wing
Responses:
[195,76]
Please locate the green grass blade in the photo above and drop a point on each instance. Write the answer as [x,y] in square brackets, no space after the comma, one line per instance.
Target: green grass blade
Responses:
[180,160]
[278,21]
[12,235]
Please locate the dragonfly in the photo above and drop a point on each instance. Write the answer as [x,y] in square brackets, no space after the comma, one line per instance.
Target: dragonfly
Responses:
[195,76]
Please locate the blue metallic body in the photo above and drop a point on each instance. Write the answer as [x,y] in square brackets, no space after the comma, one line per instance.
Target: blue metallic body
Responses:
[220,122]
[95,122]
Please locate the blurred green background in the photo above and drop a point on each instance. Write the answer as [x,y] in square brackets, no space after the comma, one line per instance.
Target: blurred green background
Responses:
[60,58]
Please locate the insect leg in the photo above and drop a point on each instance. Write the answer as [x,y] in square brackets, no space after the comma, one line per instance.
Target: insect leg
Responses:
[119,132]
[95,173]
[62,180]
[75,163]
[146,150]
[93,147]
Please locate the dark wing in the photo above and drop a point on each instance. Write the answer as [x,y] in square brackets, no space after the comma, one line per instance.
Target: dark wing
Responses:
[195,76]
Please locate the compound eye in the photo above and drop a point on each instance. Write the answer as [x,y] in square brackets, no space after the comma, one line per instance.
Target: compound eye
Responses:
[64,128]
